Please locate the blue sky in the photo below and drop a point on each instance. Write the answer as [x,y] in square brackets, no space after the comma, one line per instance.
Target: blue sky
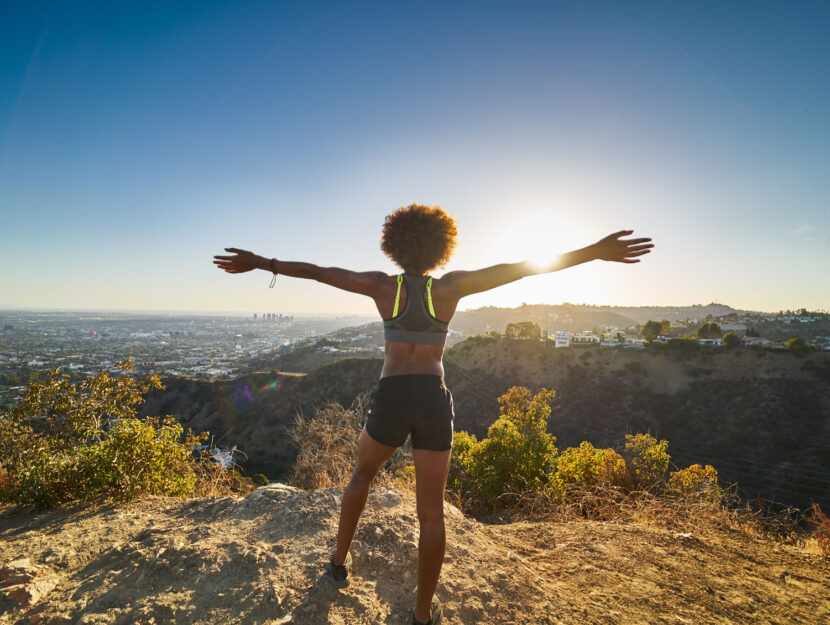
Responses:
[139,139]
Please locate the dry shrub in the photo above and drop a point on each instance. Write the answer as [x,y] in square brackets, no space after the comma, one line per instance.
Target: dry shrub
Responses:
[695,512]
[327,445]
[215,480]
[821,529]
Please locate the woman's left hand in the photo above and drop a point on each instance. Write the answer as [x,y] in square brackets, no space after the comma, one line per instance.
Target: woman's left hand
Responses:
[614,248]
[242,262]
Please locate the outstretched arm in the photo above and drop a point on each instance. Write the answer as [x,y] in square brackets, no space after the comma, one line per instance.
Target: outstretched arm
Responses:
[612,248]
[365,283]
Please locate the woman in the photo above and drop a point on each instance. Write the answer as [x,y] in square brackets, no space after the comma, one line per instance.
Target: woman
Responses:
[411,398]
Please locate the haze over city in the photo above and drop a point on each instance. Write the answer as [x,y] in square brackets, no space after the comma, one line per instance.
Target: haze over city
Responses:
[136,141]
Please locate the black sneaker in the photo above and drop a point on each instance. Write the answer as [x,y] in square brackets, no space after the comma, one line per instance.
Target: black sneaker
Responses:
[340,573]
[435,619]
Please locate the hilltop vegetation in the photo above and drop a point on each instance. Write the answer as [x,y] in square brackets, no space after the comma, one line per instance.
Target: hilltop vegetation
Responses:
[658,543]
[757,416]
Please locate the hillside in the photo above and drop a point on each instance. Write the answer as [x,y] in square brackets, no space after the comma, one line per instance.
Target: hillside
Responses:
[259,560]
[761,418]
[577,317]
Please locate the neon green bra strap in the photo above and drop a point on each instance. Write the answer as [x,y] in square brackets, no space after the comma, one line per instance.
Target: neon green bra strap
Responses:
[429,297]
[398,296]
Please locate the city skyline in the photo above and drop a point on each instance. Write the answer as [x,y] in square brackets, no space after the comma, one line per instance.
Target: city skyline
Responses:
[138,141]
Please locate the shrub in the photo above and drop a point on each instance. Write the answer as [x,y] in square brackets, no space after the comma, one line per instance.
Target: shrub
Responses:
[517,454]
[327,445]
[75,441]
[460,476]
[696,479]
[731,340]
[821,529]
[259,479]
[797,344]
[647,458]
[587,466]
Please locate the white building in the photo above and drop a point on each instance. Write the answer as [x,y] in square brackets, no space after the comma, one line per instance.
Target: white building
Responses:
[562,338]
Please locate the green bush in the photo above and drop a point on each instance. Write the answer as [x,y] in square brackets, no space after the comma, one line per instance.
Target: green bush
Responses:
[65,442]
[731,340]
[518,453]
[647,458]
[797,344]
[587,466]
[696,479]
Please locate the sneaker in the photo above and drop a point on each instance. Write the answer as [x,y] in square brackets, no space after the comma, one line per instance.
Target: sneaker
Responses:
[340,573]
[436,610]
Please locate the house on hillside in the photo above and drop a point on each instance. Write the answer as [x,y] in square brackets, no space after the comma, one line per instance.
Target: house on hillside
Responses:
[665,338]
[756,341]
[613,337]
[710,341]
[733,326]
[585,338]
[562,338]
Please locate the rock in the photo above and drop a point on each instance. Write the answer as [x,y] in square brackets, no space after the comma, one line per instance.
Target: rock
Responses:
[31,593]
[389,499]
[18,572]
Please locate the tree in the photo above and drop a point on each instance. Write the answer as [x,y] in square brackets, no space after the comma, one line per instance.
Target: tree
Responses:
[529,330]
[709,330]
[651,330]
[523,330]
[797,344]
[731,340]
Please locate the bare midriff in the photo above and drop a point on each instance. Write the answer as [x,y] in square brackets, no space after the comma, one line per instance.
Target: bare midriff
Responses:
[409,359]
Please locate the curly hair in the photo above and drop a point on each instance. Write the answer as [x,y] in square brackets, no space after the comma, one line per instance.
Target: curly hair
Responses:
[419,238]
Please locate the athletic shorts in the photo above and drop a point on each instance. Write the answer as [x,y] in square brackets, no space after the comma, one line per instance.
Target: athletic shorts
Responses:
[420,405]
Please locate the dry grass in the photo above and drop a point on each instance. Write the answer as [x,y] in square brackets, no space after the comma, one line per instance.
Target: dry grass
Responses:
[327,445]
[821,529]
[215,480]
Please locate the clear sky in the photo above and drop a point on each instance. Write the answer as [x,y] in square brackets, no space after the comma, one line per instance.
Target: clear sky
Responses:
[138,139]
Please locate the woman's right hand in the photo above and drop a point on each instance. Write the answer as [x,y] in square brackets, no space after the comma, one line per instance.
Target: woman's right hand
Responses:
[240,263]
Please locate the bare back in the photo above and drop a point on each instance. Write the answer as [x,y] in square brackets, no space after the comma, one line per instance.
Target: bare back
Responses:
[409,358]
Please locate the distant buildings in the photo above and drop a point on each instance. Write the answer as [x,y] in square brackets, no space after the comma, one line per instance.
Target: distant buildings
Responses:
[756,341]
[562,338]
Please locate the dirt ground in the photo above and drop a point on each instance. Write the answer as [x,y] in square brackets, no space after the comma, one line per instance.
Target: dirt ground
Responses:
[260,560]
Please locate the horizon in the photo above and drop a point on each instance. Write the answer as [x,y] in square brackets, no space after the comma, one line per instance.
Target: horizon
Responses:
[293,129]
[248,313]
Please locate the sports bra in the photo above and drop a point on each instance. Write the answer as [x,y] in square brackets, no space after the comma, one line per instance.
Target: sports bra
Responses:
[415,324]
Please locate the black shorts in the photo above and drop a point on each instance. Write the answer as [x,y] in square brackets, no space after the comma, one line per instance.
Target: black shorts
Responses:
[420,405]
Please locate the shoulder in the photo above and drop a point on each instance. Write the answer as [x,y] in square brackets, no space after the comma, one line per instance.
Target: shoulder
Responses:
[451,281]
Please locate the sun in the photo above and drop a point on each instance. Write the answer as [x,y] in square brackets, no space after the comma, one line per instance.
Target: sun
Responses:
[538,237]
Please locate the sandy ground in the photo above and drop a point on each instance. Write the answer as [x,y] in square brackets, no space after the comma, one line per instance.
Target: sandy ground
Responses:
[260,559]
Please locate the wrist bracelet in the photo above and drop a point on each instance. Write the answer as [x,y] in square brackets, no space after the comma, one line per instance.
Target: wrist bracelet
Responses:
[274,271]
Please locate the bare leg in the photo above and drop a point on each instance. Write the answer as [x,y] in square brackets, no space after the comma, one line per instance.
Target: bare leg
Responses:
[431,468]
[370,458]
